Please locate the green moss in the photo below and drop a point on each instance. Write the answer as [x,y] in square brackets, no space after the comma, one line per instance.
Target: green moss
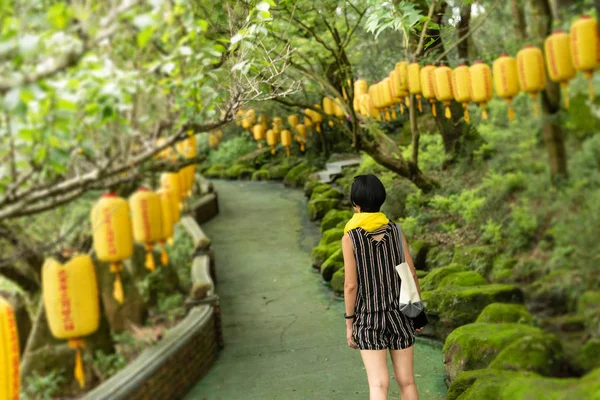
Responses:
[332,236]
[238,171]
[318,208]
[452,306]
[502,269]
[320,188]
[589,307]
[501,313]
[279,171]
[475,346]
[478,258]
[439,256]
[437,275]
[337,282]
[421,274]
[334,263]
[322,252]
[297,176]
[482,384]
[334,218]
[466,278]
[328,194]
[311,185]
[557,290]
[587,355]
[541,353]
[261,175]
[215,171]
[419,250]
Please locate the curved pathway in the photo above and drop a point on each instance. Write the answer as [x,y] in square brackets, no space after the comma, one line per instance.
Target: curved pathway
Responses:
[284,331]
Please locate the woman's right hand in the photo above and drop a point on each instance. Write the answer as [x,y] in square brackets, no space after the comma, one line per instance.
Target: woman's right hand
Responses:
[349,337]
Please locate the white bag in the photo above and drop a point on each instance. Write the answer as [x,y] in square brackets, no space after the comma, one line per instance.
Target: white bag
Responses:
[410,301]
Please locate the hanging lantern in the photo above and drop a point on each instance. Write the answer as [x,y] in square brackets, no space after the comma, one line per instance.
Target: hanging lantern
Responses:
[146,221]
[367,109]
[532,76]
[339,110]
[585,48]
[213,140]
[259,134]
[443,87]
[461,86]
[506,81]
[480,79]
[70,293]
[316,117]
[278,122]
[9,353]
[292,120]
[171,180]
[286,141]
[388,100]
[264,121]
[301,129]
[414,82]
[557,48]
[112,236]
[328,106]
[428,86]
[166,197]
[360,87]
[188,149]
[272,140]
[308,122]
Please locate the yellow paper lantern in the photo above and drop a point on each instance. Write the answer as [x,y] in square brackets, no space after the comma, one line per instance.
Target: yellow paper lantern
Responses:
[70,294]
[188,149]
[301,129]
[360,87]
[213,141]
[585,48]
[264,121]
[557,49]
[112,236]
[339,110]
[388,100]
[286,140]
[316,117]
[443,87]
[461,86]
[166,198]
[480,79]
[328,106]
[293,120]
[272,140]
[414,82]
[506,81]
[146,220]
[171,180]
[532,75]
[397,93]
[367,109]
[428,86]
[308,122]
[10,377]
[259,134]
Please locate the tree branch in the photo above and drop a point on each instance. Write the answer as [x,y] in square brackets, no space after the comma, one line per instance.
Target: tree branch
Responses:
[419,48]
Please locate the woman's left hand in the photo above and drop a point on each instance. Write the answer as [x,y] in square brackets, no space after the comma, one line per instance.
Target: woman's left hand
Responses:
[349,337]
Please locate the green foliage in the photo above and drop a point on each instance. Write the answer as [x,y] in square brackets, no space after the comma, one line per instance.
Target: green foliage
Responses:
[43,387]
[229,151]
[180,256]
[171,306]
[108,364]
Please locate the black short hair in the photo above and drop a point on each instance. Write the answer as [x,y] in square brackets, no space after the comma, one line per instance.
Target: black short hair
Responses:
[367,192]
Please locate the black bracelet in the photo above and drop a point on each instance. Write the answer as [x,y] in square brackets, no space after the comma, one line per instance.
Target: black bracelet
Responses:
[348,316]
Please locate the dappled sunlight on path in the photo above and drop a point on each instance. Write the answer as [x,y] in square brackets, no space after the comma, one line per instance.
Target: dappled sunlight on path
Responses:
[284,331]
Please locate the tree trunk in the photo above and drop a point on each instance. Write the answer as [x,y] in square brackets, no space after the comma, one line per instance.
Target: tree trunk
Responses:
[551,119]
[518,12]
[414,130]
[386,153]
[463,29]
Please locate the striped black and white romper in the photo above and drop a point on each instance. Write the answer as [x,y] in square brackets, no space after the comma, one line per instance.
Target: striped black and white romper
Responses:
[378,322]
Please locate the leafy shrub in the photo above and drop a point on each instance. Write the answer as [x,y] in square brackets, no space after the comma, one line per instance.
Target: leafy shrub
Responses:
[106,365]
[523,226]
[43,387]
[172,307]
[180,256]
[231,150]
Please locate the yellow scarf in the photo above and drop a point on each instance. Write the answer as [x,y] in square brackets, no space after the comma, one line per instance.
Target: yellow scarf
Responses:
[368,221]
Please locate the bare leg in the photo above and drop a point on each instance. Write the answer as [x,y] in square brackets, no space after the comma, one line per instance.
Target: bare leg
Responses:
[402,361]
[377,373]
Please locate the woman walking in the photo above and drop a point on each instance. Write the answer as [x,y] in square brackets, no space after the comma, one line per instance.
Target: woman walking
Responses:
[372,247]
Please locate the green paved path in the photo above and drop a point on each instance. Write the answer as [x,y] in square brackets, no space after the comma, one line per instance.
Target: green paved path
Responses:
[284,332]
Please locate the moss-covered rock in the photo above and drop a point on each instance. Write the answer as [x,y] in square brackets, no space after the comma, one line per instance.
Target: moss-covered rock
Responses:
[419,250]
[495,384]
[334,217]
[421,274]
[589,307]
[475,346]
[439,257]
[453,306]
[503,313]
[397,191]
[238,171]
[466,278]
[587,357]
[261,175]
[215,171]
[317,208]
[279,171]
[541,353]
[555,292]
[502,269]
[311,185]
[478,258]
[322,252]
[334,263]
[337,282]
[437,275]
[297,176]
[319,189]
[332,236]
[328,194]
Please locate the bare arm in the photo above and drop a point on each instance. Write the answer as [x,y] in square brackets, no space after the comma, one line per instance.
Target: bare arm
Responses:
[350,280]
[410,262]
